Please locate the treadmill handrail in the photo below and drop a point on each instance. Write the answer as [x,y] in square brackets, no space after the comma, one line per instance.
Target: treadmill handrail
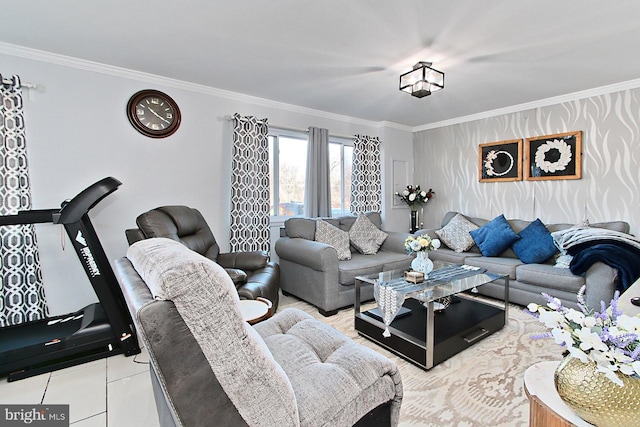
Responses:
[73,210]
[39,216]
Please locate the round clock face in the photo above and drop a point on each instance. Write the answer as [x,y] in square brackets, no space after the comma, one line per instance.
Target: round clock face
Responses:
[153,113]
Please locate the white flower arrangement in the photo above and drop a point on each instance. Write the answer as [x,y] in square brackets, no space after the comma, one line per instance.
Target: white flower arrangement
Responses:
[421,243]
[608,338]
[413,195]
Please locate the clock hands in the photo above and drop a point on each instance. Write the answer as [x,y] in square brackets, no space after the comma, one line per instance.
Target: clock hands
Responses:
[156,114]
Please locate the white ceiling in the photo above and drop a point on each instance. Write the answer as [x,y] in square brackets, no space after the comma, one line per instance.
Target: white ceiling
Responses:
[345,56]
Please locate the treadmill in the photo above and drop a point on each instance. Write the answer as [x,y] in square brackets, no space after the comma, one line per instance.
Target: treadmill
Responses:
[99,330]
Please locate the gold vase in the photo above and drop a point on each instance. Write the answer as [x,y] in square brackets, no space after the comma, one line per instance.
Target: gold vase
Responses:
[595,398]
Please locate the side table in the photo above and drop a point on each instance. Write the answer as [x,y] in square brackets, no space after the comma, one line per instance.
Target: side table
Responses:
[546,409]
[254,311]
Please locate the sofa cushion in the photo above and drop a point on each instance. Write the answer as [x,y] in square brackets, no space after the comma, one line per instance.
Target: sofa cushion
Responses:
[456,233]
[339,239]
[360,265]
[535,244]
[335,379]
[548,277]
[304,228]
[498,265]
[448,255]
[494,237]
[365,236]
[206,299]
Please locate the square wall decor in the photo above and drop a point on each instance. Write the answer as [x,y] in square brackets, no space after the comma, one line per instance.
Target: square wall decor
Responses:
[500,161]
[557,156]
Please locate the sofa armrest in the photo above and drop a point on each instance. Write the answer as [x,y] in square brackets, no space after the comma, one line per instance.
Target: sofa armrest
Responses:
[395,242]
[601,281]
[312,254]
[248,261]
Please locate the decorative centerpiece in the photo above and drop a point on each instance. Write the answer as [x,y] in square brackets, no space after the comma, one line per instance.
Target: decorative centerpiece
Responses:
[414,197]
[600,377]
[421,246]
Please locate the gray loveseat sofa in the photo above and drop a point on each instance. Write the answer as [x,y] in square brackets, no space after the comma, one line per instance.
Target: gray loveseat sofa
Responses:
[528,281]
[209,367]
[311,270]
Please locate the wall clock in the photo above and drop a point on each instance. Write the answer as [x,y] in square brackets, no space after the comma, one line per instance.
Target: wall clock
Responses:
[153,113]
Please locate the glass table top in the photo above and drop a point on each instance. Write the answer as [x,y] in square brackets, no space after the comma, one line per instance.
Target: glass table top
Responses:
[446,279]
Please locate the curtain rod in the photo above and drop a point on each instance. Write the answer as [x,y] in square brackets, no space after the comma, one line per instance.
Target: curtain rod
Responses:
[292,129]
[25,84]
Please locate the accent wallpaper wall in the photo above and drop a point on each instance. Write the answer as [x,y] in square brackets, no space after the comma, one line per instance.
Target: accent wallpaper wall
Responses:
[446,159]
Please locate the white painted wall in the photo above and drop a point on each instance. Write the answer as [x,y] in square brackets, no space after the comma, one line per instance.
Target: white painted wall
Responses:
[78,133]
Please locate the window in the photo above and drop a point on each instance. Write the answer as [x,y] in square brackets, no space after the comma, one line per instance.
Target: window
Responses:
[340,157]
[287,168]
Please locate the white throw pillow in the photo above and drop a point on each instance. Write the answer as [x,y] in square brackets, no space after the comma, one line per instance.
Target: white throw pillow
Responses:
[365,236]
[331,235]
[456,233]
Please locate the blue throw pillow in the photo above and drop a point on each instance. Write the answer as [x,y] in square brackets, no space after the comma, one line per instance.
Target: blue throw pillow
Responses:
[535,245]
[494,237]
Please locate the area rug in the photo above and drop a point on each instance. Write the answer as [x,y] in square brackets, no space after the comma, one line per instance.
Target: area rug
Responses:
[481,386]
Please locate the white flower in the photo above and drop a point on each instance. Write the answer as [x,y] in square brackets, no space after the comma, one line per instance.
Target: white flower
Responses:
[435,243]
[575,316]
[415,246]
[579,354]
[533,307]
[423,194]
[590,322]
[590,340]
[412,197]
[552,319]
[562,337]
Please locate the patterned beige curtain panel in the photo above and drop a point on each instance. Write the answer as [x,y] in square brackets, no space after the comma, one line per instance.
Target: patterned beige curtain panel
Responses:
[250,197]
[22,296]
[366,175]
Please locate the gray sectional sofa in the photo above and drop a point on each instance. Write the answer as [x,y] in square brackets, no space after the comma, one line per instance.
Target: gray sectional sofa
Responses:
[528,281]
[311,270]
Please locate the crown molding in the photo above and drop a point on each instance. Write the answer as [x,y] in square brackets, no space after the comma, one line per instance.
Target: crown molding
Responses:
[112,70]
[574,96]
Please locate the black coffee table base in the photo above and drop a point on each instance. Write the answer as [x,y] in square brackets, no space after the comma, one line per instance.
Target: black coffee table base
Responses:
[461,325]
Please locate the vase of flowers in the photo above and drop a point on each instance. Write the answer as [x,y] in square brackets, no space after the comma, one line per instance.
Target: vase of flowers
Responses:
[421,246]
[414,197]
[600,377]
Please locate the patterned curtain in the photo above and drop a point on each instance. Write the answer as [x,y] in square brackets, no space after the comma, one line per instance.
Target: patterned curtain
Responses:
[366,175]
[22,296]
[250,196]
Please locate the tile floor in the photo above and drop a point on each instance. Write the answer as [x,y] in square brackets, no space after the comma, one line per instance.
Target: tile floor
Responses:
[112,392]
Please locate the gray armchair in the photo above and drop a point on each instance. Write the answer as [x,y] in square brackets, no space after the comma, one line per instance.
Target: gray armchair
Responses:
[252,273]
[209,367]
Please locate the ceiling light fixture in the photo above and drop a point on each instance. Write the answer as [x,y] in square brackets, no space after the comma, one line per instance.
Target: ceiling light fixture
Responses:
[422,80]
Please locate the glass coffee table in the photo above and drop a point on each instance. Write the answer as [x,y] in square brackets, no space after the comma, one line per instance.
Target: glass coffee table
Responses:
[419,333]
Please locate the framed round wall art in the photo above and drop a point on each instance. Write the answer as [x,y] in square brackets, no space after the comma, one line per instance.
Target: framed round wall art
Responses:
[557,156]
[500,161]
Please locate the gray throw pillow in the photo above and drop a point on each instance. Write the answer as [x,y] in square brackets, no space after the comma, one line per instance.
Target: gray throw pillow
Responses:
[339,239]
[365,236]
[456,233]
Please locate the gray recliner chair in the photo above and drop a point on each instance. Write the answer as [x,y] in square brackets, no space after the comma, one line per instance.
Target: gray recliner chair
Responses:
[252,273]
[209,367]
